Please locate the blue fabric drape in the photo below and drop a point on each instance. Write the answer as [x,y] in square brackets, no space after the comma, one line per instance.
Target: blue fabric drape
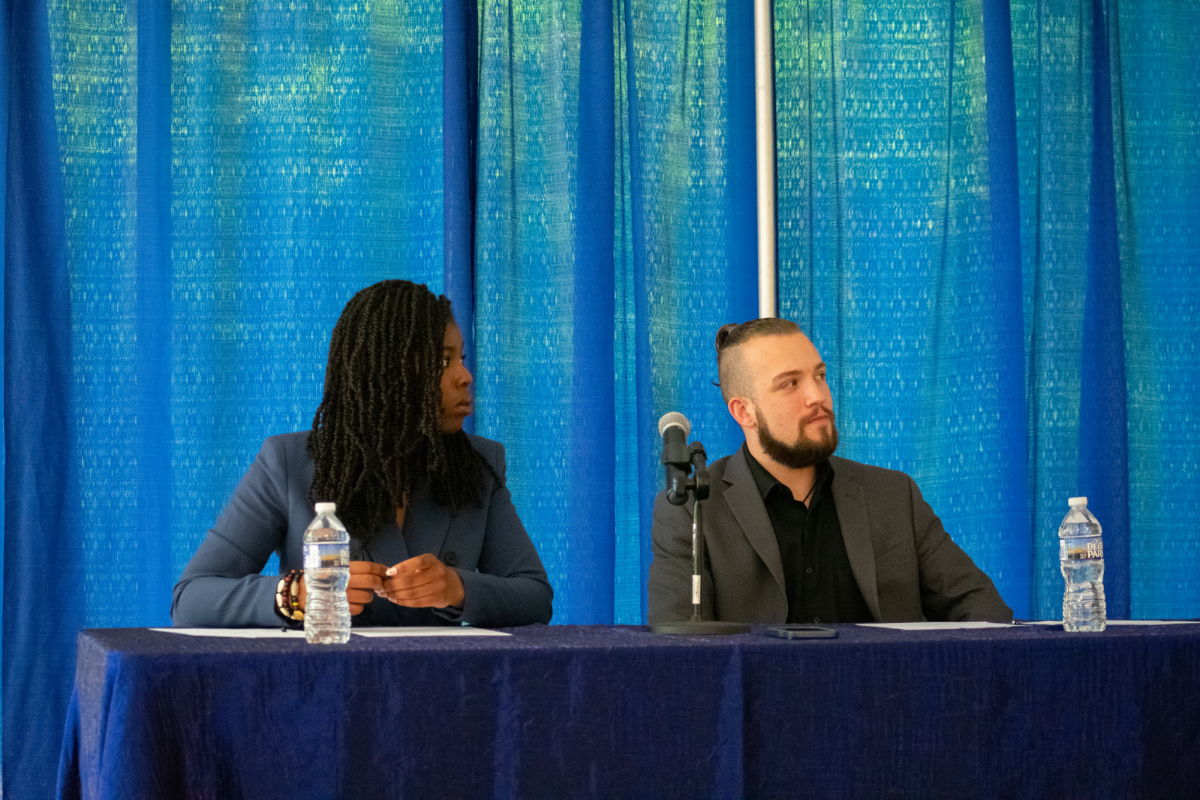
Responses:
[152,304]
[1106,94]
[1155,87]
[897,254]
[1104,442]
[544,286]
[42,529]
[460,123]
[988,220]
[686,249]
[215,182]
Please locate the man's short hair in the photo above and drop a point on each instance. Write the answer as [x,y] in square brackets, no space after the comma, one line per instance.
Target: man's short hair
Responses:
[731,372]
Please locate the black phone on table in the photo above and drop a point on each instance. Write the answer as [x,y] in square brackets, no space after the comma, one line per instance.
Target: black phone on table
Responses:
[802,632]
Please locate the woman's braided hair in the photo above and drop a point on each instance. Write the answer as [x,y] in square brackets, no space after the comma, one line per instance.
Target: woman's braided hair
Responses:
[377,434]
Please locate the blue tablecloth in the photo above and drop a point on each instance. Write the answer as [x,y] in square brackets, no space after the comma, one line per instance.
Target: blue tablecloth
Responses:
[556,712]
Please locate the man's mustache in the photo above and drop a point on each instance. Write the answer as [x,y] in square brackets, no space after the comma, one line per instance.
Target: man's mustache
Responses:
[822,411]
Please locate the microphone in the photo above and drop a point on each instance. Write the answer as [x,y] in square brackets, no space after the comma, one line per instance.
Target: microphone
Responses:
[674,428]
[678,461]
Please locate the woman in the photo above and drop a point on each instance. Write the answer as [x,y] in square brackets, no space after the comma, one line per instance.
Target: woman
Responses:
[435,538]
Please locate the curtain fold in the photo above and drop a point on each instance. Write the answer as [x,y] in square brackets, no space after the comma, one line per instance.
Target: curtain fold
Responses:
[460,125]
[42,531]
[544,283]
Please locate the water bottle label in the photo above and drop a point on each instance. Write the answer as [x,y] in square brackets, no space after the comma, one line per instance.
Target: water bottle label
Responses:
[327,557]
[1080,549]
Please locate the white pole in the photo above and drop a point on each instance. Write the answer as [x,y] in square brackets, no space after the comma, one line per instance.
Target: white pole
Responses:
[764,107]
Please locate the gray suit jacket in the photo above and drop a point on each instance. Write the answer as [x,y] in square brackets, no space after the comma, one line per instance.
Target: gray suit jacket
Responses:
[504,582]
[905,564]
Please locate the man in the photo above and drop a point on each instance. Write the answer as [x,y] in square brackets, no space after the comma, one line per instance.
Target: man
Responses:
[793,533]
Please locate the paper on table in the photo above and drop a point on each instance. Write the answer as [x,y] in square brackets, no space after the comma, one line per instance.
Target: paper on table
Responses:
[435,630]
[933,626]
[280,633]
[1123,622]
[237,633]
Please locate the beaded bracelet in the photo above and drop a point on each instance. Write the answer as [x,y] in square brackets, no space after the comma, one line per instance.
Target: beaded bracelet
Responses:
[287,597]
[297,612]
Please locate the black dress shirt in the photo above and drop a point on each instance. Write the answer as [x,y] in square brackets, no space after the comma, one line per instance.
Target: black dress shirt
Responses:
[820,584]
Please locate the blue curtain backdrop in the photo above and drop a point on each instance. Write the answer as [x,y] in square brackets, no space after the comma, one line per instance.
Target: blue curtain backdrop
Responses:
[899,252]
[989,212]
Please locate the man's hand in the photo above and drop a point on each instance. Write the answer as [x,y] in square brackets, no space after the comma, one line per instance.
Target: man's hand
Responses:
[366,580]
[423,582]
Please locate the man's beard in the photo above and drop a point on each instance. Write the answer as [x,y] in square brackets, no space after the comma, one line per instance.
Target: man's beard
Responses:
[805,452]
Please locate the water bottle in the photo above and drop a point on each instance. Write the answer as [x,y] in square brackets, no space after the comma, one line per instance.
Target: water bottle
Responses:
[326,574]
[1082,556]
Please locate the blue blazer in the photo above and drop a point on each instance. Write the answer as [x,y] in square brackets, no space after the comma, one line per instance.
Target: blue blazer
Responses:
[504,583]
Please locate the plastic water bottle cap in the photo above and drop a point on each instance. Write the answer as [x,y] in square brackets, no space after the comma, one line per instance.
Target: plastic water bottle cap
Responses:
[326,508]
[1073,502]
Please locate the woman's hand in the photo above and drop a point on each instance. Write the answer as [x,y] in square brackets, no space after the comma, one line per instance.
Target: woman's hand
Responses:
[423,582]
[366,580]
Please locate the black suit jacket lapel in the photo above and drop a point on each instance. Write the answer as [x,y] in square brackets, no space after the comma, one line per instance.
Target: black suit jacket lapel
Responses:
[856,532]
[746,505]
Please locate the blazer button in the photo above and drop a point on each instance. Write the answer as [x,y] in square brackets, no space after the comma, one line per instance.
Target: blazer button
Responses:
[451,559]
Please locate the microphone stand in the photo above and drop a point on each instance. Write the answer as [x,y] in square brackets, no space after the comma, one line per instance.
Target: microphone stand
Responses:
[679,484]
